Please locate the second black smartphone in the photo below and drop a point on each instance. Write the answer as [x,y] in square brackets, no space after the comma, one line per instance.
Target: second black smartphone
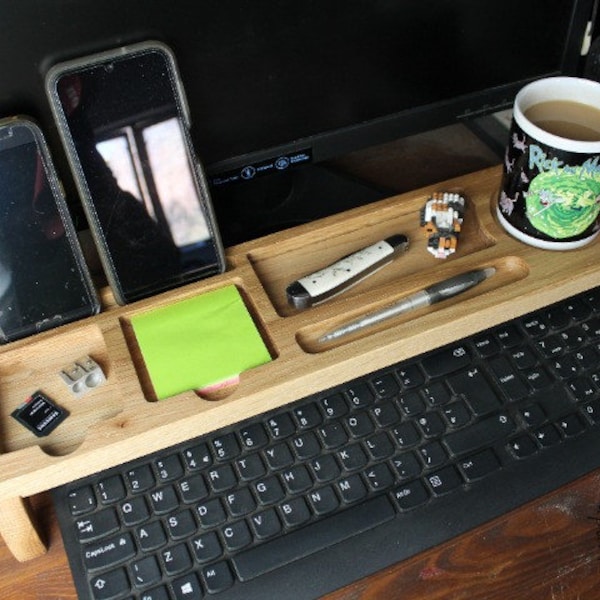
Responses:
[123,118]
[44,281]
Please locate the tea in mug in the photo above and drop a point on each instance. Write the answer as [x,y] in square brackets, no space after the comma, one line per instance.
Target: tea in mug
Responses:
[567,119]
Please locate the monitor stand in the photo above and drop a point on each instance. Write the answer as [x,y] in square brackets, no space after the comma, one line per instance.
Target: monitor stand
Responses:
[281,200]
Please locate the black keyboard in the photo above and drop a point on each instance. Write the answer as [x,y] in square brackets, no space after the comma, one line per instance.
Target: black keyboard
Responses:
[305,499]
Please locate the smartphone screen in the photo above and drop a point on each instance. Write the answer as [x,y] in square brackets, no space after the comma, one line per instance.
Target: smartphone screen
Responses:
[123,119]
[43,279]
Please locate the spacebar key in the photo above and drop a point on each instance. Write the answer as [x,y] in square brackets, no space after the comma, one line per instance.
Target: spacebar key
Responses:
[312,538]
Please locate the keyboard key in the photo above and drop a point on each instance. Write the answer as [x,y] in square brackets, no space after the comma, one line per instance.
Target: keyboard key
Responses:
[352,458]
[379,477]
[140,479]
[360,395]
[193,489]
[508,379]
[269,491]
[169,468]
[181,525]
[571,425]
[254,436]
[187,588]
[324,468]
[280,426]
[406,435]
[135,511]
[176,559]
[446,361]
[109,552]
[265,524]
[297,544]
[226,447]
[407,466]
[164,500]
[481,434]
[547,436]
[250,467]
[522,447]
[151,536]
[158,593]
[509,335]
[295,512]
[110,585]
[475,389]
[237,536]
[307,417]
[334,406]
[211,513]
[145,572]
[486,345]
[437,394]
[411,495]
[98,525]
[206,547]
[198,457]
[386,385]
[523,357]
[221,478]
[279,456]
[111,489]
[385,414]
[306,446]
[410,376]
[456,414]
[352,489]
[82,500]
[217,577]
[479,465]
[359,425]
[444,480]
[240,502]
[411,404]
[433,455]
[323,500]
[297,479]
[431,424]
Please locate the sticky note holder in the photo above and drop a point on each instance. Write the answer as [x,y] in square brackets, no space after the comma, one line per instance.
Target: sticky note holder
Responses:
[199,342]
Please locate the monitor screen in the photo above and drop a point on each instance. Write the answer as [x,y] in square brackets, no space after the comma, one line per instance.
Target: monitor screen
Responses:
[276,85]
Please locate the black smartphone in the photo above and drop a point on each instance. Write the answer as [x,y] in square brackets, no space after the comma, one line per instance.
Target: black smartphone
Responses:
[124,121]
[44,281]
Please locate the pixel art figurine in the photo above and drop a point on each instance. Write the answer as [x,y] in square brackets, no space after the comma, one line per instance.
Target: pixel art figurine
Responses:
[442,218]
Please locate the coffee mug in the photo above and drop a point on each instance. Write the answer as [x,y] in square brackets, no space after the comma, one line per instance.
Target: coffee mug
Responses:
[550,194]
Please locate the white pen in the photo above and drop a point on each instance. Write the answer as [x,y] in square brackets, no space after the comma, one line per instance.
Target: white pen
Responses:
[430,295]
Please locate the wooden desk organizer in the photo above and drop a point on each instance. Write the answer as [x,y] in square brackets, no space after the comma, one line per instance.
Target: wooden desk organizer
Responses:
[119,421]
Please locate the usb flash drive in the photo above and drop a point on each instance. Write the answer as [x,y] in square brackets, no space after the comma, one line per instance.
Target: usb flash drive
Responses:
[346,272]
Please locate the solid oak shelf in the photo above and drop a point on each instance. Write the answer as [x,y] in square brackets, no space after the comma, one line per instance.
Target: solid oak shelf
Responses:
[119,420]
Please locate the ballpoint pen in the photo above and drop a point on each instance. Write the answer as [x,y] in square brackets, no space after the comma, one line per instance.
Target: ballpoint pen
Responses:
[435,293]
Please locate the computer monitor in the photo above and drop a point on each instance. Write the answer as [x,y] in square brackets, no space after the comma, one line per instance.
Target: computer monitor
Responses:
[275,87]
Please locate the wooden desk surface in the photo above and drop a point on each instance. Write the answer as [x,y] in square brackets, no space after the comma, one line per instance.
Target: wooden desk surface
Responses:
[548,549]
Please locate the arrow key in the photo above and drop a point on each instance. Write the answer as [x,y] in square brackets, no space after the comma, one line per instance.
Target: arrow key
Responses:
[547,436]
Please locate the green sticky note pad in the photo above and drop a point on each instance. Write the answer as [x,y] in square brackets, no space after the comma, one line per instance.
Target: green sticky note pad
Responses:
[199,342]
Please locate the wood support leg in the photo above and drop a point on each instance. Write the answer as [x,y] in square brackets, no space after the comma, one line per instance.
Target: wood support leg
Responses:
[18,529]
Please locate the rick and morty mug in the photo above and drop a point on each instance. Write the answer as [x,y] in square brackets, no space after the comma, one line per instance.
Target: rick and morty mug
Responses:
[550,194]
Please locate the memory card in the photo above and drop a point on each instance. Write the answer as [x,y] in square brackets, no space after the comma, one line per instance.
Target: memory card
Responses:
[40,414]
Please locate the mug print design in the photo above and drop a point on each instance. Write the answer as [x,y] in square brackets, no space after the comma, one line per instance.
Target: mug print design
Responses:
[549,192]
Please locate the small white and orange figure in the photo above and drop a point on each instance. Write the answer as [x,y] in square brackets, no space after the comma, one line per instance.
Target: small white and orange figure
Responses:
[441,219]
